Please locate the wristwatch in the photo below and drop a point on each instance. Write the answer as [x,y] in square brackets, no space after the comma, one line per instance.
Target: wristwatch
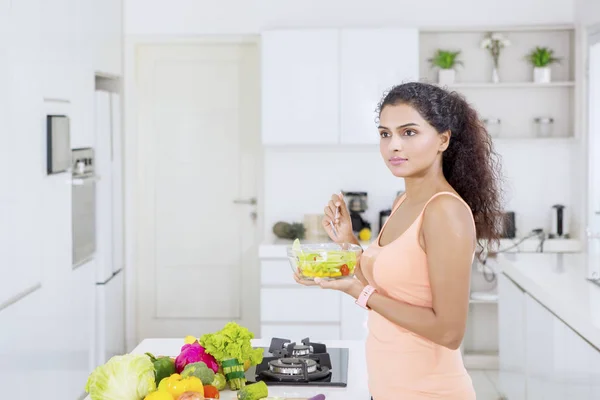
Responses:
[364,296]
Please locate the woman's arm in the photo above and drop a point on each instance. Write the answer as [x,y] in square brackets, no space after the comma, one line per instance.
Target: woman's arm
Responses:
[449,239]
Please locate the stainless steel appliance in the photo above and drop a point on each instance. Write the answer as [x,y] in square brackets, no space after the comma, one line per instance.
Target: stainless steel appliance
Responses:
[58,144]
[83,205]
[301,364]
[559,228]
[357,203]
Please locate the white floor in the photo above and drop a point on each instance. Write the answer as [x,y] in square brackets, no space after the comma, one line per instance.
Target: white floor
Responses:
[486,384]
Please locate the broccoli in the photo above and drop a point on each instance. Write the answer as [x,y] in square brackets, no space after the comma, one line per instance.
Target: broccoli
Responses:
[201,371]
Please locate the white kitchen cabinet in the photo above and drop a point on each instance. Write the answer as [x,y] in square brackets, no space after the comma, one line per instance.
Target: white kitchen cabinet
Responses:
[107,26]
[322,86]
[300,87]
[372,61]
[544,358]
[511,344]
[560,363]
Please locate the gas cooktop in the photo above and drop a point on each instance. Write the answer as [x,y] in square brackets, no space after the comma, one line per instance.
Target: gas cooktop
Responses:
[306,363]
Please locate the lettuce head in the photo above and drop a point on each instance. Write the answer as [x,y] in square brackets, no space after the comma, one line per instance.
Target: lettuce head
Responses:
[126,377]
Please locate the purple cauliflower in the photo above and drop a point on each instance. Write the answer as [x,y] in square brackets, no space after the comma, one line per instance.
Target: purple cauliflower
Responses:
[192,353]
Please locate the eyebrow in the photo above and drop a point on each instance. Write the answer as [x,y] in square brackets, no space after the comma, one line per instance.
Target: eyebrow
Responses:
[401,126]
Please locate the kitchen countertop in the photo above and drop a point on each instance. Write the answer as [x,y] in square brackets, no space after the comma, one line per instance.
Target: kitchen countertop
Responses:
[357,388]
[558,281]
[276,248]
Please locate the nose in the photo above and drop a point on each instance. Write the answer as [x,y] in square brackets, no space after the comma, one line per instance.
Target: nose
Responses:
[395,143]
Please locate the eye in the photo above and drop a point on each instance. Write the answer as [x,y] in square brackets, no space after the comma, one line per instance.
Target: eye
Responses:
[384,134]
[410,132]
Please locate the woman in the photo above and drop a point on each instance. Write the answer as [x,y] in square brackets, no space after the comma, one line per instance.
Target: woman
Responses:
[415,277]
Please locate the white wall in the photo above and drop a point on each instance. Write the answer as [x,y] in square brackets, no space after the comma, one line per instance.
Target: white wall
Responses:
[190,17]
[587,12]
[301,180]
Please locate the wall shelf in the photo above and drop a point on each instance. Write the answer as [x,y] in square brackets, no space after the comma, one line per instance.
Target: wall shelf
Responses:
[511,85]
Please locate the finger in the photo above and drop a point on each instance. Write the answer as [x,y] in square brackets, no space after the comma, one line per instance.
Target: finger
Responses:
[343,208]
[328,212]
[335,211]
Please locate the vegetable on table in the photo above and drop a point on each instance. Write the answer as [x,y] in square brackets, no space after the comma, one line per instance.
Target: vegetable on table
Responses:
[219,382]
[163,367]
[200,371]
[125,377]
[177,385]
[256,391]
[159,395]
[211,392]
[191,396]
[231,346]
[192,353]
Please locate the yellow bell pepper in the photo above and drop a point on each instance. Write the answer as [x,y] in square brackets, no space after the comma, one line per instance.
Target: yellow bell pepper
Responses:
[176,386]
[159,395]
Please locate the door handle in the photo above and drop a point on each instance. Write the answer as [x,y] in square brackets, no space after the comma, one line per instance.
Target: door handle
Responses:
[251,201]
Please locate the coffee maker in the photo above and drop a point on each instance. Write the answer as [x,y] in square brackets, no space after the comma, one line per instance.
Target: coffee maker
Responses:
[357,204]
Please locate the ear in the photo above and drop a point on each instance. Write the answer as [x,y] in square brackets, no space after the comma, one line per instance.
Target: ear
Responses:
[444,140]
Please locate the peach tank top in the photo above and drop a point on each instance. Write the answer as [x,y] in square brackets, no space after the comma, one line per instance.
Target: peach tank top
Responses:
[403,365]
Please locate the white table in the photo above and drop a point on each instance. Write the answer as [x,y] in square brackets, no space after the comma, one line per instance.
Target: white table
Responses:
[357,388]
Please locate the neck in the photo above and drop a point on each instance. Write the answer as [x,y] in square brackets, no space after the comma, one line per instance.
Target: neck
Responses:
[421,188]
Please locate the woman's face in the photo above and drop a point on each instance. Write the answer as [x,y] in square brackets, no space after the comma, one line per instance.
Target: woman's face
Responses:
[409,145]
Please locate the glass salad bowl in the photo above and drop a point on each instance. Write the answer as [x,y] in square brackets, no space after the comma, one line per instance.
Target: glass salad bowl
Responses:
[323,260]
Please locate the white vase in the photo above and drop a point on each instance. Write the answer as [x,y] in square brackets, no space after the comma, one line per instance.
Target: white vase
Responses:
[446,76]
[541,74]
[495,75]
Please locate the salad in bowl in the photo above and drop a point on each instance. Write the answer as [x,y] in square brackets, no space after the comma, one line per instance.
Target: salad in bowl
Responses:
[323,260]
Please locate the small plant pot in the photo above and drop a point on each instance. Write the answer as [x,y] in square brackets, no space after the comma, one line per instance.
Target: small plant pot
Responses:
[541,74]
[446,76]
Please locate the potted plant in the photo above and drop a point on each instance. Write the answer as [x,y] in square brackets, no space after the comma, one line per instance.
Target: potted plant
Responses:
[494,42]
[541,58]
[445,60]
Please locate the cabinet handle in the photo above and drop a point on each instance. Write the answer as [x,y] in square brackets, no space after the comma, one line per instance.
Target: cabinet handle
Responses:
[251,201]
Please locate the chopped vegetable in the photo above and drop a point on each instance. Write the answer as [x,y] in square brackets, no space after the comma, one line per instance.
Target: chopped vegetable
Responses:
[125,377]
[163,367]
[176,385]
[199,370]
[194,352]
[231,346]
[324,263]
[256,391]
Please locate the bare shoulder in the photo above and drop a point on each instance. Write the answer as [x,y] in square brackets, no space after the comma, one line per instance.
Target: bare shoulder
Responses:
[446,215]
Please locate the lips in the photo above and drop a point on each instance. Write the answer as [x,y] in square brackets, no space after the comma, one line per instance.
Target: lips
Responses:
[397,160]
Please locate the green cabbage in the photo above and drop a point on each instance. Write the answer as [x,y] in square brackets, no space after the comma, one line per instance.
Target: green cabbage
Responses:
[126,377]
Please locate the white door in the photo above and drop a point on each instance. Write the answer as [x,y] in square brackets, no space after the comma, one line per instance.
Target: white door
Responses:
[594,150]
[198,144]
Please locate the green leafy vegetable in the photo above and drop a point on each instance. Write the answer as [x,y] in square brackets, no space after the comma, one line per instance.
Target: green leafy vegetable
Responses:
[233,341]
[231,346]
[126,377]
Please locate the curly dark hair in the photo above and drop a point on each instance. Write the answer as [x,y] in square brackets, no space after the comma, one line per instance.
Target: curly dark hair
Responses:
[470,164]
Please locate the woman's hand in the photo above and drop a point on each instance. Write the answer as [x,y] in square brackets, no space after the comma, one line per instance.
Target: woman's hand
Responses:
[337,213]
[350,286]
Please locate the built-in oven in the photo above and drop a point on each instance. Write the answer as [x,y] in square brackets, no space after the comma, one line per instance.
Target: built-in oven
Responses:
[83,206]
